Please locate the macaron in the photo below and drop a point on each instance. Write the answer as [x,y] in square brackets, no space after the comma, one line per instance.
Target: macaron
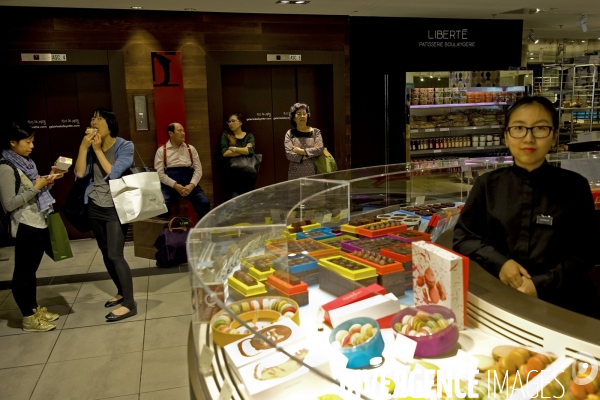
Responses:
[225,329]
[254,305]
[219,323]
[287,308]
[281,304]
[266,303]
[405,329]
[405,319]
[442,323]
[235,308]
[245,306]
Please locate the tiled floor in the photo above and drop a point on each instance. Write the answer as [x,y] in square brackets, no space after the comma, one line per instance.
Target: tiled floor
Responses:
[143,357]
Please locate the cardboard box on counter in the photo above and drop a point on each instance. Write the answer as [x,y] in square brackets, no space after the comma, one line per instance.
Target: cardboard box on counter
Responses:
[279,377]
[145,234]
[440,277]
[351,297]
[251,348]
[380,308]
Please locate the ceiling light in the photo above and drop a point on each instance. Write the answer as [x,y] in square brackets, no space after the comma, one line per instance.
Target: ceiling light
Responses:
[531,58]
[583,41]
[439,78]
[137,7]
[537,10]
[532,37]
[431,76]
[582,22]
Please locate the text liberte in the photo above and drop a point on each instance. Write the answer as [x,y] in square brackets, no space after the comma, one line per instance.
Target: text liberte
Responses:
[448,34]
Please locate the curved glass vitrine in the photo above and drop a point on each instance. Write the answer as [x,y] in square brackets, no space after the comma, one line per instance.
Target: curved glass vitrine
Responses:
[254,261]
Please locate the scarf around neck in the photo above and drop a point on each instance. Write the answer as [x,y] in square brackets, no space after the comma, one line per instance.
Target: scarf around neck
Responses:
[27,166]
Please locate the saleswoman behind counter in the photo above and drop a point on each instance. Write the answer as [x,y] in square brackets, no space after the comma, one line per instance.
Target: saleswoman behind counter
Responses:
[534,225]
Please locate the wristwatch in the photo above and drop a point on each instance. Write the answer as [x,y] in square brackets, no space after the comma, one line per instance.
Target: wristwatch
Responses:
[234,149]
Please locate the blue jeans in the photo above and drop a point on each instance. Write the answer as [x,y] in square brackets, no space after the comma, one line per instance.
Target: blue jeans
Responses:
[183,176]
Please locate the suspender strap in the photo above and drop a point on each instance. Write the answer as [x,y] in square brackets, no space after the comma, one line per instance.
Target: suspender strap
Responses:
[165,155]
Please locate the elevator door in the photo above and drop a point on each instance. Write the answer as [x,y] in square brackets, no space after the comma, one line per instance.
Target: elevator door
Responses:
[264,96]
[57,102]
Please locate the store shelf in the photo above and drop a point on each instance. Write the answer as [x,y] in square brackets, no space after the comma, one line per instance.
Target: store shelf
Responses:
[465,129]
[463,105]
[580,108]
[455,150]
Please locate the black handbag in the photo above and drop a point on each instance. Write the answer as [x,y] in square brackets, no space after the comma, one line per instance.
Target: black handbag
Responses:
[74,207]
[247,164]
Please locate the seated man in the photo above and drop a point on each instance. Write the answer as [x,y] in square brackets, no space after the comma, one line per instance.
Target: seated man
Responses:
[179,170]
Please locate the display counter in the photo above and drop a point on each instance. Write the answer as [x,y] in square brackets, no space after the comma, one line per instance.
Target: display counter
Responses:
[241,247]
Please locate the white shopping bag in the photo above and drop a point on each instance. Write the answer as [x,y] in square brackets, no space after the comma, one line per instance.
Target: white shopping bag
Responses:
[137,197]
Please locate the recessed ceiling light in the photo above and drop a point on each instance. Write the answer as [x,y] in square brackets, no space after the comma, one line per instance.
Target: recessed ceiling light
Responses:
[189,9]
[137,7]
[531,58]
[583,41]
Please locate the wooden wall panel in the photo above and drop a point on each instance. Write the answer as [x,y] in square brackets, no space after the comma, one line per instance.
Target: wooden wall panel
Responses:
[138,33]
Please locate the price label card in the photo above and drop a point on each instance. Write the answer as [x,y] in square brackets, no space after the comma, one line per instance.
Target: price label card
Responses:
[480,148]
[206,357]
[404,349]
[437,151]
[420,200]
[429,130]
[444,129]
[344,214]
[226,391]
[276,216]
[327,218]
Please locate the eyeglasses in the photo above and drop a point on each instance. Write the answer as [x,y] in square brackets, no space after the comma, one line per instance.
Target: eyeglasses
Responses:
[232,121]
[301,115]
[538,132]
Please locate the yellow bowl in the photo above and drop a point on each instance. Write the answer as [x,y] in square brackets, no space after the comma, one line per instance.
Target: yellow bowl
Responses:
[222,339]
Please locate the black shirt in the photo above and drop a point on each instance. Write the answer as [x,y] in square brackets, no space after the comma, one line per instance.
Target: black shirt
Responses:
[500,222]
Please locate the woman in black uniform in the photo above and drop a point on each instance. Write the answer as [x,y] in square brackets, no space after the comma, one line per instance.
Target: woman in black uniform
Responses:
[533,225]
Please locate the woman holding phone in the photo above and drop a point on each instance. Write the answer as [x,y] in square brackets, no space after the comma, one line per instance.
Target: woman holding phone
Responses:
[25,195]
[103,155]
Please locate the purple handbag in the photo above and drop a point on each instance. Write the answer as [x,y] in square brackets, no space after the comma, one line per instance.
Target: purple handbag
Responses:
[171,243]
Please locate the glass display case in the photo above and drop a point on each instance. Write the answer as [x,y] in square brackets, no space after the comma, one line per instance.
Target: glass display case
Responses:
[276,275]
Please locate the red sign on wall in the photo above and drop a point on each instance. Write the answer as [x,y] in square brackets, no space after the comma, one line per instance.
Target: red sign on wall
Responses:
[169,101]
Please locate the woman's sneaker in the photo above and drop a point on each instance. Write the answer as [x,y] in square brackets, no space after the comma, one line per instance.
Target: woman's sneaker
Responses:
[45,314]
[34,323]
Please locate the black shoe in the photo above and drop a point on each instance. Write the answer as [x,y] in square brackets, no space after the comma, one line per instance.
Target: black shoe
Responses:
[110,317]
[110,303]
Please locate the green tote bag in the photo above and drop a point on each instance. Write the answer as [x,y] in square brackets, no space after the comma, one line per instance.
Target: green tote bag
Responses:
[325,162]
[61,247]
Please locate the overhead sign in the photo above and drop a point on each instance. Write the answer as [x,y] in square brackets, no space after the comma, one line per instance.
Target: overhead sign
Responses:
[47,57]
[284,57]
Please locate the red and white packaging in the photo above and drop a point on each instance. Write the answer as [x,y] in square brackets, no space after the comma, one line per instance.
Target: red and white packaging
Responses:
[440,277]
[351,297]
[380,308]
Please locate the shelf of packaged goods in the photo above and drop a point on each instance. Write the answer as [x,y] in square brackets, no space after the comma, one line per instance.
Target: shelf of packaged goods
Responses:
[461,105]
[455,150]
[462,129]
[579,108]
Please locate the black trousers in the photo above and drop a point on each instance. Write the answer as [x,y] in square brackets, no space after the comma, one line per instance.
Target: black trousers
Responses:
[183,176]
[30,245]
[110,236]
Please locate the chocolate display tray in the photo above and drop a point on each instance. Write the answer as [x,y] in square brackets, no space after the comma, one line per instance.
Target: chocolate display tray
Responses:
[326,234]
[311,264]
[355,245]
[354,275]
[381,269]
